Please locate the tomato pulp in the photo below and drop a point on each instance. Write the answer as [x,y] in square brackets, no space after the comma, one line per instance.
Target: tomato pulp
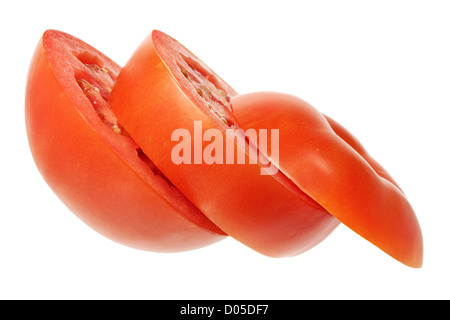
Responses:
[91,162]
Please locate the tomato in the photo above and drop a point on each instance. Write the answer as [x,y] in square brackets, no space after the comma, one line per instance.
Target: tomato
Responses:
[331,166]
[164,88]
[90,161]
[116,146]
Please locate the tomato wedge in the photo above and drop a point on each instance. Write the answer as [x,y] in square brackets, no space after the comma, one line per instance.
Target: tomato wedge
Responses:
[330,165]
[164,88]
[90,161]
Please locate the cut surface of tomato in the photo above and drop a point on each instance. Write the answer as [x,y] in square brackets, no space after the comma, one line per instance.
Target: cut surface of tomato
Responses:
[163,88]
[91,162]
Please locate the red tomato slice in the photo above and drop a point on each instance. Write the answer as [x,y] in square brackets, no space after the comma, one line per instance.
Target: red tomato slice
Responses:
[326,162]
[164,88]
[90,161]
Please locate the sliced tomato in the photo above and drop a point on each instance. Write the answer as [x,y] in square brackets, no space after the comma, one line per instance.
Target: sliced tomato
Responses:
[163,88]
[104,143]
[331,166]
[90,161]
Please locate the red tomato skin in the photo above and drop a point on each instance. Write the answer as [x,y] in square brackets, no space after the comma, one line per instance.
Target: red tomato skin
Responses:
[353,142]
[91,178]
[330,165]
[257,210]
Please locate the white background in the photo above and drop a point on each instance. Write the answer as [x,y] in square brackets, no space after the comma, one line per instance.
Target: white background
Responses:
[381,68]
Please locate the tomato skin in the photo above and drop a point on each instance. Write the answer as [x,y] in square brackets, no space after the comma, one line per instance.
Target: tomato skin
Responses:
[333,168]
[94,171]
[151,103]
[351,140]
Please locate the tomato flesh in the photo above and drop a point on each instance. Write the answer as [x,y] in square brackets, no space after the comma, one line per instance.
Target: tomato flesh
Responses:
[208,88]
[202,85]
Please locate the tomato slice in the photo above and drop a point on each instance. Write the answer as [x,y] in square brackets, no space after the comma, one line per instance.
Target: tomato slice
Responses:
[91,162]
[164,88]
[327,162]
